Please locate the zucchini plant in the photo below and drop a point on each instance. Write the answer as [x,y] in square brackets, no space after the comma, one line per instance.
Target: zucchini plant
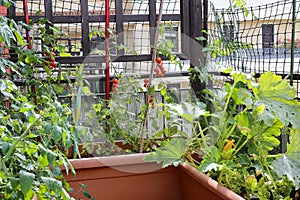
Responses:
[236,131]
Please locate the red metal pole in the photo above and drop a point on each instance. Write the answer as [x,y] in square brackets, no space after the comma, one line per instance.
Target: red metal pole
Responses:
[107,60]
[28,39]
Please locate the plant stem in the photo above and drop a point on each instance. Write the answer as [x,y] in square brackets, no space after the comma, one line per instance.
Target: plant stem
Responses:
[11,150]
[202,135]
[223,123]
[240,147]
[269,172]
[154,52]
[226,105]
[223,141]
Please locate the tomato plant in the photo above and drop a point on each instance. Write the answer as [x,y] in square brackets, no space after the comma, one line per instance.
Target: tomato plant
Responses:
[35,126]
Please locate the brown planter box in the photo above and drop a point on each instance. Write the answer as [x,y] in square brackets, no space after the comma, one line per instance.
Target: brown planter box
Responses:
[129,177]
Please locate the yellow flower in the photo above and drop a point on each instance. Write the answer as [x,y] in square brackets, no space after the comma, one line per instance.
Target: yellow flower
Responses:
[229,145]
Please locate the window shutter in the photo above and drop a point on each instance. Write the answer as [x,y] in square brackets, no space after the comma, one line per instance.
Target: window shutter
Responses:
[268,35]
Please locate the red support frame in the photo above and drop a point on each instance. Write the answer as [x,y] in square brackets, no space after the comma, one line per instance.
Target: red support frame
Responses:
[28,39]
[107,59]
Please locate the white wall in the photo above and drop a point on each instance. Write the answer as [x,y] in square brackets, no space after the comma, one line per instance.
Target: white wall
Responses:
[225,3]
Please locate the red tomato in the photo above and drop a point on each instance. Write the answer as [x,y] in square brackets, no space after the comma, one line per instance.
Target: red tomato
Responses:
[160,65]
[158,59]
[159,74]
[115,81]
[53,64]
[48,54]
[151,99]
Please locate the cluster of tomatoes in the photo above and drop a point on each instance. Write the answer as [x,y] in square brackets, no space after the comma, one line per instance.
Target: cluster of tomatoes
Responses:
[160,70]
[146,82]
[115,84]
[51,57]
[151,101]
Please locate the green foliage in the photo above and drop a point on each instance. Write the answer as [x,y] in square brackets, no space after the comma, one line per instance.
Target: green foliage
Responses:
[288,164]
[35,128]
[236,132]
[241,4]
[124,116]
[278,99]
[170,154]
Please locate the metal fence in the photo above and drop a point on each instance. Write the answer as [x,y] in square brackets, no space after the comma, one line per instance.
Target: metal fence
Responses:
[81,27]
[256,39]
[132,25]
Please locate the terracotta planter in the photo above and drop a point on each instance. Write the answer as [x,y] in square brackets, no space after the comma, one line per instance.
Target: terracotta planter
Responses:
[128,177]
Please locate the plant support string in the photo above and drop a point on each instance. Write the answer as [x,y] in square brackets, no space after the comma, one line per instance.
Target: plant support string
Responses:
[154,52]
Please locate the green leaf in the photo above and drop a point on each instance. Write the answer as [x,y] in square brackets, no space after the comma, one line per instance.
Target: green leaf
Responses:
[19,37]
[288,165]
[30,59]
[278,97]
[65,194]
[268,138]
[200,38]
[211,160]
[240,77]
[57,133]
[63,54]
[86,90]
[163,91]
[29,195]
[14,183]
[50,156]
[251,183]
[53,184]
[47,128]
[244,123]
[26,180]
[242,96]
[189,111]
[170,154]
[294,145]
[43,161]
[87,194]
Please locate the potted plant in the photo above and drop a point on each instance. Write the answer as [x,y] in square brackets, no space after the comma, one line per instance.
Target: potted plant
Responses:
[237,129]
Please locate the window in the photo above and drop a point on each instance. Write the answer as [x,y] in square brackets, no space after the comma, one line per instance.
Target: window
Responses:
[171,34]
[228,32]
[174,91]
[267,35]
